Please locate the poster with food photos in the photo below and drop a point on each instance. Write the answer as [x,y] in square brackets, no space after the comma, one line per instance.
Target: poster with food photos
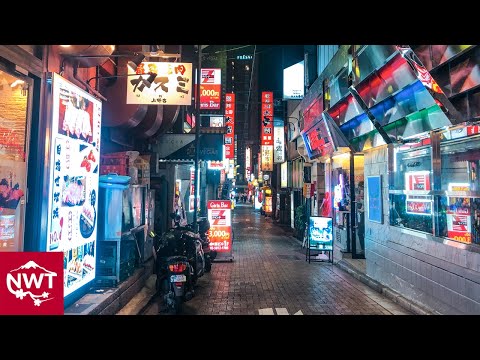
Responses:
[74,170]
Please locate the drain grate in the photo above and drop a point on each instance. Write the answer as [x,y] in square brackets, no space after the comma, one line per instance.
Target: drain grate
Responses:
[289,257]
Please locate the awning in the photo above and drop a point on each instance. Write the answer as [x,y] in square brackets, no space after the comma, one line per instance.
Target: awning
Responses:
[211,148]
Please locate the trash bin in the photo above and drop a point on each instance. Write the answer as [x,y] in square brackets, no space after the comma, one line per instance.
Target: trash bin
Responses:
[110,206]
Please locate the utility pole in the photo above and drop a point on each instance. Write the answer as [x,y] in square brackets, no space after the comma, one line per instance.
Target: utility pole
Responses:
[197,136]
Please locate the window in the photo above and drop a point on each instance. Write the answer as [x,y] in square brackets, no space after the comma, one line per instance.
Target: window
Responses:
[411,201]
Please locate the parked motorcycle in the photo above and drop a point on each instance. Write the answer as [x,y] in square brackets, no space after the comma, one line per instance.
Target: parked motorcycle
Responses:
[173,269]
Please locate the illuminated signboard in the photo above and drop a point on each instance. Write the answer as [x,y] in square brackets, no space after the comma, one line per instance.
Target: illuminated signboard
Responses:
[279,144]
[244,57]
[215,165]
[267,158]
[73,181]
[210,89]
[248,161]
[320,233]
[293,81]
[459,216]
[284,175]
[160,83]
[219,216]
[417,180]
[318,141]
[229,137]
[216,121]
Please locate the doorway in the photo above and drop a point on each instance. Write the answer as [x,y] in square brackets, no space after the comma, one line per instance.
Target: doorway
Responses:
[358,212]
[15,110]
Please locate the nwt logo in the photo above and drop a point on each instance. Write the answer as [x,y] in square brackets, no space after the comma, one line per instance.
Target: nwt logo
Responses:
[31,283]
[20,278]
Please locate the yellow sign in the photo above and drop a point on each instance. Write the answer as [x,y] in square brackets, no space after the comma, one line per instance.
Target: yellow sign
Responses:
[267,158]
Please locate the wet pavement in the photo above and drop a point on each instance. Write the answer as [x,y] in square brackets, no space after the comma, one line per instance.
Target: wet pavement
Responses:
[269,276]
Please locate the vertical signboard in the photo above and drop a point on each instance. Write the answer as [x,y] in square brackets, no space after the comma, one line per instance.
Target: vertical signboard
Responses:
[160,83]
[374,200]
[248,162]
[73,185]
[266,140]
[279,144]
[230,125]
[210,89]
[191,202]
[284,175]
[220,232]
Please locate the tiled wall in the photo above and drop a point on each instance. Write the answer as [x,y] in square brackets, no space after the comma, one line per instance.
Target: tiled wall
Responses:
[443,277]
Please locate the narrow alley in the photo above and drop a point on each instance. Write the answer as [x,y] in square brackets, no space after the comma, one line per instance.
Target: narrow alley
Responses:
[269,275]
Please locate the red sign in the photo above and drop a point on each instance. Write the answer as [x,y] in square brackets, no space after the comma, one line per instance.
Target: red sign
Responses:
[220,238]
[219,216]
[459,223]
[210,89]
[31,283]
[419,207]
[418,180]
[230,125]
[266,117]
[219,204]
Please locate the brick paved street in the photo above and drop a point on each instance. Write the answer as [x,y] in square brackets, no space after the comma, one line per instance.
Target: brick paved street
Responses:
[269,272]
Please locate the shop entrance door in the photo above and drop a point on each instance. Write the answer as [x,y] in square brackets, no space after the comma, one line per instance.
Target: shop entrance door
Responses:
[15,110]
[358,213]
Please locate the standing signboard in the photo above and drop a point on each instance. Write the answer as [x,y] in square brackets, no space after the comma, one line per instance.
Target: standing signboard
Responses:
[73,181]
[220,234]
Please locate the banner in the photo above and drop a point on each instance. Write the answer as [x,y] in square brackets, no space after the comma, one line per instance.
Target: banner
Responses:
[279,147]
[230,124]
[160,83]
[210,89]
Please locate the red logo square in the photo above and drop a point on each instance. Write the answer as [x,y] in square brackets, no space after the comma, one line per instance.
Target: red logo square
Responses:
[31,283]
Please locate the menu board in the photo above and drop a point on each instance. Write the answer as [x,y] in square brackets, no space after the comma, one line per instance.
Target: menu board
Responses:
[73,188]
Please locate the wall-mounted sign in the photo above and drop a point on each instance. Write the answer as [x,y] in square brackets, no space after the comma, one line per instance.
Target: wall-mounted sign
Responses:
[244,57]
[267,158]
[293,81]
[317,140]
[229,137]
[215,165]
[266,117]
[191,206]
[160,83]
[231,166]
[459,219]
[216,121]
[284,175]
[279,144]
[374,201]
[248,162]
[73,181]
[210,89]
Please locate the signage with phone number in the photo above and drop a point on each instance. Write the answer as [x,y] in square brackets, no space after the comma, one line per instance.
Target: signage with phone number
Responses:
[219,216]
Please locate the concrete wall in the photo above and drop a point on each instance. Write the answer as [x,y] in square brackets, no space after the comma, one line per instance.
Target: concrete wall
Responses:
[443,277]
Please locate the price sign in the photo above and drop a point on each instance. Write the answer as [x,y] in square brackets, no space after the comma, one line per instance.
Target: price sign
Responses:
[220,233]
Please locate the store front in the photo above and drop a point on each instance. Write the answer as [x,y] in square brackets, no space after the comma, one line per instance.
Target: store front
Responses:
[20,78]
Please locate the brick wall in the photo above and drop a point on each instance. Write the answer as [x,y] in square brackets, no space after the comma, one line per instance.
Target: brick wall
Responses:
[443,277]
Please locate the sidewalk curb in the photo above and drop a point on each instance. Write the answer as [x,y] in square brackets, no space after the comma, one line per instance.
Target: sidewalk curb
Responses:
[417,309]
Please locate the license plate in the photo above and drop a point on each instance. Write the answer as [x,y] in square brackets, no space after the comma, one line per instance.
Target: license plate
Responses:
[178,278]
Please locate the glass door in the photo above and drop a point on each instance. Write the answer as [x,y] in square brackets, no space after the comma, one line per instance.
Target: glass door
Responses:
[15,103]
[358,230]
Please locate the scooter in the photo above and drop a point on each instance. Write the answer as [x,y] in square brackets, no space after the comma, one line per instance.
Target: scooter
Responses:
[174,274]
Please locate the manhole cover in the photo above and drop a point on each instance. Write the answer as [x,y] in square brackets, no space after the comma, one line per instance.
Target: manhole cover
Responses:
[289,257]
